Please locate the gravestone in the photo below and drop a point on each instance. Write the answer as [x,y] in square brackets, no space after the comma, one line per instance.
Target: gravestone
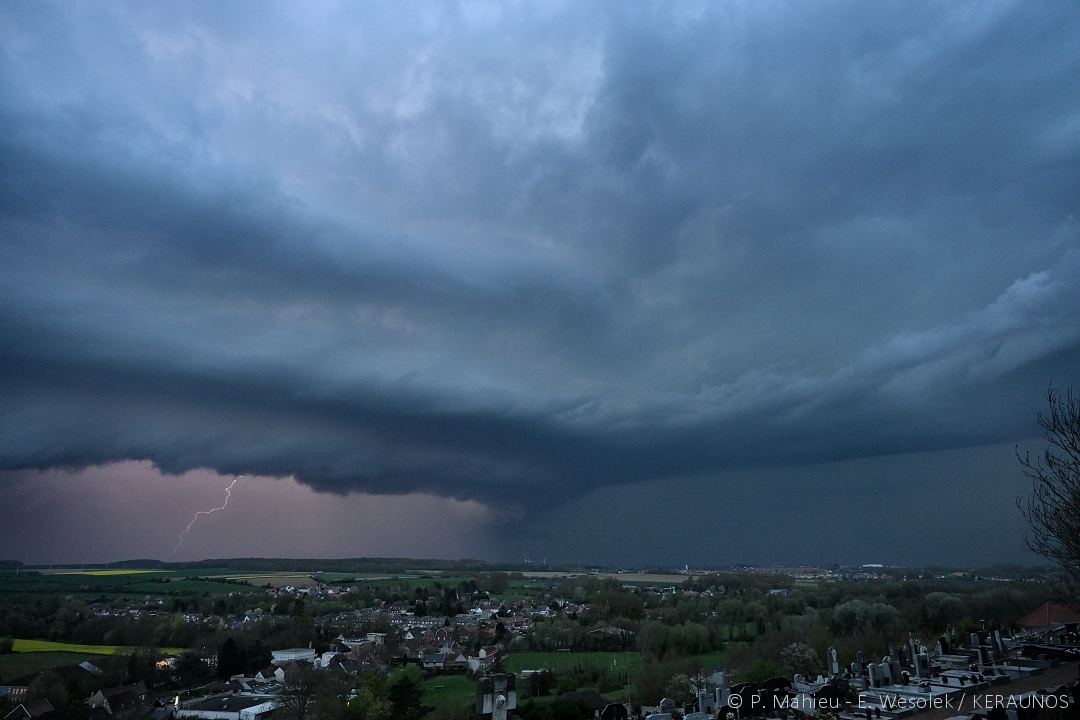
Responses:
[834,664]
[667,705]
[974,640]
[922,666]
[890,647]
[706,702]
[896,670]
[495,696]
[886,671]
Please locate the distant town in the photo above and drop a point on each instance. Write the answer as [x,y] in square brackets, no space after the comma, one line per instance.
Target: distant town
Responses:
[387,639]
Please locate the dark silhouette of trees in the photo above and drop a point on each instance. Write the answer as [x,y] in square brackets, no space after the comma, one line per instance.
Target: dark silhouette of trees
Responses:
[231,660]
[404,691]
[1053,508]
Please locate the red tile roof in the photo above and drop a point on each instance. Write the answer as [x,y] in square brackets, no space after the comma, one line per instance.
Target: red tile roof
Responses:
[1051,614]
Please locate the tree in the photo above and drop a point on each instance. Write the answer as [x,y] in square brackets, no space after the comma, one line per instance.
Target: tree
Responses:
[299,694]
[48,685]
[1053,508]
[801,659]
[540,683]
[404,690]
[680,689]
[347,699]
[230,660]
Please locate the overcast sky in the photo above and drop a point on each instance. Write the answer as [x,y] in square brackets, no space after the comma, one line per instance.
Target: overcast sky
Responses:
[538,271]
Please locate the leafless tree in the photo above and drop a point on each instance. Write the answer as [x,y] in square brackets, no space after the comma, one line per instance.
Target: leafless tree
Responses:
[298,698]
[1053,508]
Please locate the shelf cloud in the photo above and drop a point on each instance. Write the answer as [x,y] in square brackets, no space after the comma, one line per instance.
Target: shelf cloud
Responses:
[518,254]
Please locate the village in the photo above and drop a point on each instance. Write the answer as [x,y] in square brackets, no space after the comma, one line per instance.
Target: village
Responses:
[976,672]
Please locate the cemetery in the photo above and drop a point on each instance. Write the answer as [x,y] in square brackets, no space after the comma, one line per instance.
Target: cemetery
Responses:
[971,679]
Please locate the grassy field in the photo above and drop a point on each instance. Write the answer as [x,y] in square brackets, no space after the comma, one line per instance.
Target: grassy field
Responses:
[448,688]
[190,587]
[17,664]
[47,646]
[518,661]
[109,573]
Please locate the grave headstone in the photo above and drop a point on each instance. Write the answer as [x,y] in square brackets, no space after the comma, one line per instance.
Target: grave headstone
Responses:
[875,675]
[922,666]
[495,696]
[667,705]
[896,670]
[834,664]
[974,640]
[706,702]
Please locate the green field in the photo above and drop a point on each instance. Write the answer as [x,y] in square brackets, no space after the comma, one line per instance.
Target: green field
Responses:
[448,688]
[518,661]
[17,664]
[109,573]
[47,646]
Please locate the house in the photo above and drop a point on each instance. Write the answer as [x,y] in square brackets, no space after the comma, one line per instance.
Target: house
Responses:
[229,707]
[449,647]
[30,709]
[1050,615]
[592,698]
[323,661]
[614,711]
[440,661]
[293,654]
[291,673]
[343,665]
[118,699]
[269,673]
[413,649]
[483,660]
[18,688]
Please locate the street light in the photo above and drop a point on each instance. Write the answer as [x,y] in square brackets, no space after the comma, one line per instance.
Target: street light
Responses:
[617,664]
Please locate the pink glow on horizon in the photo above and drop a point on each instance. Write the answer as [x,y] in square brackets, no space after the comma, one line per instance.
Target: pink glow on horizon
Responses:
[131,510]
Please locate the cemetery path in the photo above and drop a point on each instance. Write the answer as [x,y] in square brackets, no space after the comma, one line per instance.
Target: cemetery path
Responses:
[1067,673]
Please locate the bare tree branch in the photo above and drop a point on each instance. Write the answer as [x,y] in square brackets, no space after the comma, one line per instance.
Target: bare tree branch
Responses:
[1053,508]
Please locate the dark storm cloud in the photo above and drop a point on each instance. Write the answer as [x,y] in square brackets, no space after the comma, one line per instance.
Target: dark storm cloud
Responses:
[495,252]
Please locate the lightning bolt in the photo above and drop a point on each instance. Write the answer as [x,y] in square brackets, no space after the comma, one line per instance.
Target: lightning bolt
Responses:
[228,494]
